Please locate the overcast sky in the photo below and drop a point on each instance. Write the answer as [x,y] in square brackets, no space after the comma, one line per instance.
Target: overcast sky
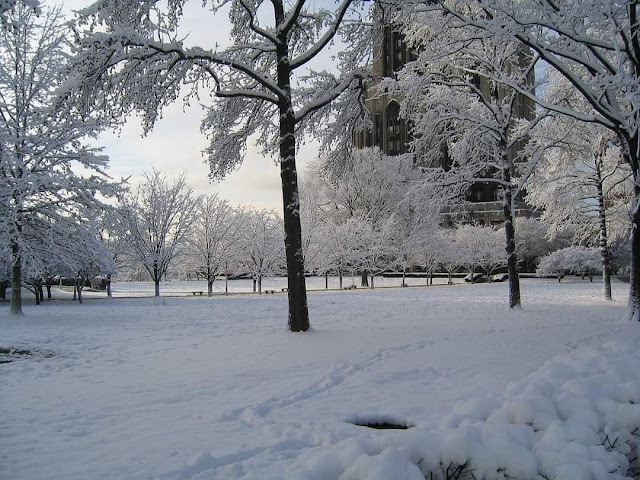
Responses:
[176,143]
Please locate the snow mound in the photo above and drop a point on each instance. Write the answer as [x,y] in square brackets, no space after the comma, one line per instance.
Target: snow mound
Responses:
[577,417]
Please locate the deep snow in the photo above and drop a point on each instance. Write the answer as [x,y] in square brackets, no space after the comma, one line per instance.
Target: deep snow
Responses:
[207,388]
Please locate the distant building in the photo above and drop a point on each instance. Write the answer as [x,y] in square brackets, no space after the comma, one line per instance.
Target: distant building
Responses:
[391,134]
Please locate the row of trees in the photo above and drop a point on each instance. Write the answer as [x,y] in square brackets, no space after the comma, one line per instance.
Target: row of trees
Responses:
[128,56]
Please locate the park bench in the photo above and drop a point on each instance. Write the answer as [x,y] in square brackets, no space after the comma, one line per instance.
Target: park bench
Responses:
[284,289]
[196,293]
[269,291]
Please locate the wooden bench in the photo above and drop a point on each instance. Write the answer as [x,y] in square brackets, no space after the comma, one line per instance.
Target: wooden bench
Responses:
[196,293]
[350,287]
[269,291]
[284,289]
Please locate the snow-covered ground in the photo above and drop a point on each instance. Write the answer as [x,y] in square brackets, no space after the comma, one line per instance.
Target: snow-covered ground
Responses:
[216,388]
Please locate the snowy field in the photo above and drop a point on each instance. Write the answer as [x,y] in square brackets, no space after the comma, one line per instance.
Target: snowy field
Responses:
[216,388]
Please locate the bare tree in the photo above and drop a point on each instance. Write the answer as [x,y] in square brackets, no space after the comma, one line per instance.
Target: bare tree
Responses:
[130,57]
[156,220]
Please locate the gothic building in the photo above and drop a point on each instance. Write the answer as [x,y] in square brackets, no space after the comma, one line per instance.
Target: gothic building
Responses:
[392,134]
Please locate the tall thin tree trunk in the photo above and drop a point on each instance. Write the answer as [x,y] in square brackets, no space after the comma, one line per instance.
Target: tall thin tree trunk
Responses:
[156,278]
[632,157]
[109,286]
[512,259]
[603,243]
[260,284]
[36,292]
[372,285]
[364,279]
[16,281]
[75,292]
[3,290]
[297,291]
[79,288]
[326,281]
[254,284]
[226,284]
[340,279]
[634,281]
[209,287]
[404,276]
[40,291]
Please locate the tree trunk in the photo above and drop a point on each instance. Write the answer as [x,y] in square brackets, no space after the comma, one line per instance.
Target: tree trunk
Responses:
[36,292]
[326,281]
[297,291]
[510,247]
[364,280]
[340,280]
[254,283]
[75,292]
[404,276]
[40,291]
[603,241]
[156,279]
[3,290]
[16,281]
[372,285]
[260,284]
[210,287]
[226,284]
[79,288]
[631,156]
[109,286]
[49,296]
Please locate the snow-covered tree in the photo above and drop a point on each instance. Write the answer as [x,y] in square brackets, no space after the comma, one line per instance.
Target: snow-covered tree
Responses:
[370,186]
[469,243]
[261,243]
[533,242]
[429,251]
[469,128]
[131,56]
[480,247]
[600,58]
[580,260]
[155,221]
[214,239]
[493,254]
[8,6]
[450,259]
[342,246]
[49,173]
[583,185]
[377,251]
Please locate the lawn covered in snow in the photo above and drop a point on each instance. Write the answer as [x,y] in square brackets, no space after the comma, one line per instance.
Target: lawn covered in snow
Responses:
[217,388]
